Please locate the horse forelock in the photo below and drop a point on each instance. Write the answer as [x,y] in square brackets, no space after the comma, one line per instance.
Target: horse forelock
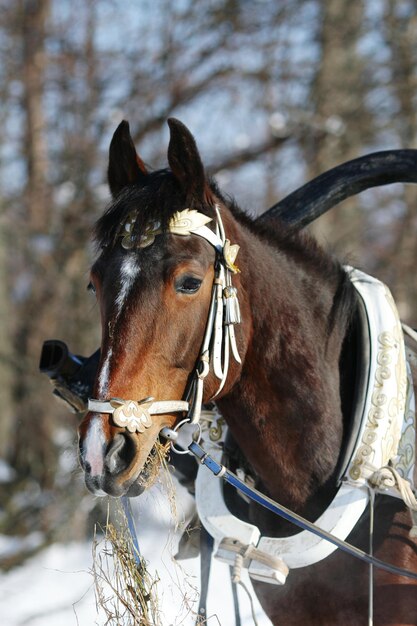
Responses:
[153,202]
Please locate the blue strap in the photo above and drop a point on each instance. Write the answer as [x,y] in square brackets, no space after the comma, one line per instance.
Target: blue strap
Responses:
[219,469]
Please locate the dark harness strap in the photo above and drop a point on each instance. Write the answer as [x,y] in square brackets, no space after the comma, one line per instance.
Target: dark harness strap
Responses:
[206,551]
[238,621]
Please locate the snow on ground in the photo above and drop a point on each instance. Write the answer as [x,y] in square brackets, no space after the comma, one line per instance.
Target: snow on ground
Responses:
[56,587]
[49,589]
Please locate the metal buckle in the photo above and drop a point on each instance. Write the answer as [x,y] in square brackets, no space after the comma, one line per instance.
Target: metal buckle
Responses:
[172,435]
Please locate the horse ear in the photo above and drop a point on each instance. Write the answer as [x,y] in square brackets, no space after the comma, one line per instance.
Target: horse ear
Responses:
[125,166]
[184,159]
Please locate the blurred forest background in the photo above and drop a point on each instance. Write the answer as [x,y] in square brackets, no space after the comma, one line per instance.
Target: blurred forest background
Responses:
[275,91]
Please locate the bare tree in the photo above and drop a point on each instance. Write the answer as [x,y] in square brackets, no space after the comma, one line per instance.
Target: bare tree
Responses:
[400,258]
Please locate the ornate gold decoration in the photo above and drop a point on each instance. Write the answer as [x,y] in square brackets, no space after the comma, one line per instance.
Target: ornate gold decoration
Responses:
[131,240]
[128,239]
[230,252]
[133,416]
[186,221]
[148,237]
[216,429]
[405,460]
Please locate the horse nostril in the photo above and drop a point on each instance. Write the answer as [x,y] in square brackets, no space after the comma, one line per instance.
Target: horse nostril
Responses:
[120,454]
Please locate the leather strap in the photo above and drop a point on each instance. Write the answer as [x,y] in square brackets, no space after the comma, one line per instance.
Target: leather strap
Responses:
[156,408]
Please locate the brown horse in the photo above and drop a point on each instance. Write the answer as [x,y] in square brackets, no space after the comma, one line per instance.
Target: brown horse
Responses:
[287,399]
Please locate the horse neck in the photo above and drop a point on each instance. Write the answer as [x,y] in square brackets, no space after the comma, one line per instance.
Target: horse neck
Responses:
[285,410]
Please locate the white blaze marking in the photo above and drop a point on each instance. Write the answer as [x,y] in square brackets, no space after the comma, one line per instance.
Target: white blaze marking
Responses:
[129,270]
[94,447]
[103,379]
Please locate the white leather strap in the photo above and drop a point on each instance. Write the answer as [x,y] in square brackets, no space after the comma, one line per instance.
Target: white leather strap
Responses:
[156,408]
[218,328]
[210,236]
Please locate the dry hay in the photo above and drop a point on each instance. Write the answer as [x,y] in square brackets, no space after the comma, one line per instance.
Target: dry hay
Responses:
[125,591]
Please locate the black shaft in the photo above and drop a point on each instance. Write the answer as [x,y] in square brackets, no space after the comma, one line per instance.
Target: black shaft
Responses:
[307,203]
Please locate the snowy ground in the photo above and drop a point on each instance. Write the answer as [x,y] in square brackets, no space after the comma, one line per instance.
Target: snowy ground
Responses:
[56,587]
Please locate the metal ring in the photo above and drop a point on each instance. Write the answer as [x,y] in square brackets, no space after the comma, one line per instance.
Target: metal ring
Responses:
[198,439]
[204,370]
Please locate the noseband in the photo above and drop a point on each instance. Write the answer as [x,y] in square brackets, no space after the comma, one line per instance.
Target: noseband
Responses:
[219,336]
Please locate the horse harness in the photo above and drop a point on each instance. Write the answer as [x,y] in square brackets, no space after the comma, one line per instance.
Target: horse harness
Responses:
[379,459]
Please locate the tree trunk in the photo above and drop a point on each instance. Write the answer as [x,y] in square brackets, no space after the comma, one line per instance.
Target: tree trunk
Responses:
[401,257]
[34,17]
[338,94]
[6,349]
[33,453]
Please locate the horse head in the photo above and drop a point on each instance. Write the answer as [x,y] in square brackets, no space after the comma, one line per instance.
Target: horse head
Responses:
[163,255]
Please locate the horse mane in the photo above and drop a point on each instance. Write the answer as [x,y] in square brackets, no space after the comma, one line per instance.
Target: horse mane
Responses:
[162,196]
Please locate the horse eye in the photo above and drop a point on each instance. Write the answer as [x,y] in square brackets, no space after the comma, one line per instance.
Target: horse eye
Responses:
[188,284]
[91,288]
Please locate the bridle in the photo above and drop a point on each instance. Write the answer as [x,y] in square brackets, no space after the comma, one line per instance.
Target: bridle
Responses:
[219,337]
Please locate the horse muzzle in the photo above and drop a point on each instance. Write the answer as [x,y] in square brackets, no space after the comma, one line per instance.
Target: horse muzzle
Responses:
[118,461]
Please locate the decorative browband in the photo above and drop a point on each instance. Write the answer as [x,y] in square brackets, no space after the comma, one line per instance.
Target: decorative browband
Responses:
[186,222]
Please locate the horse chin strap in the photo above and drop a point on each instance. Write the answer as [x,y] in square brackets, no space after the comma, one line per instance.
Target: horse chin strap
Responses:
[219,337]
